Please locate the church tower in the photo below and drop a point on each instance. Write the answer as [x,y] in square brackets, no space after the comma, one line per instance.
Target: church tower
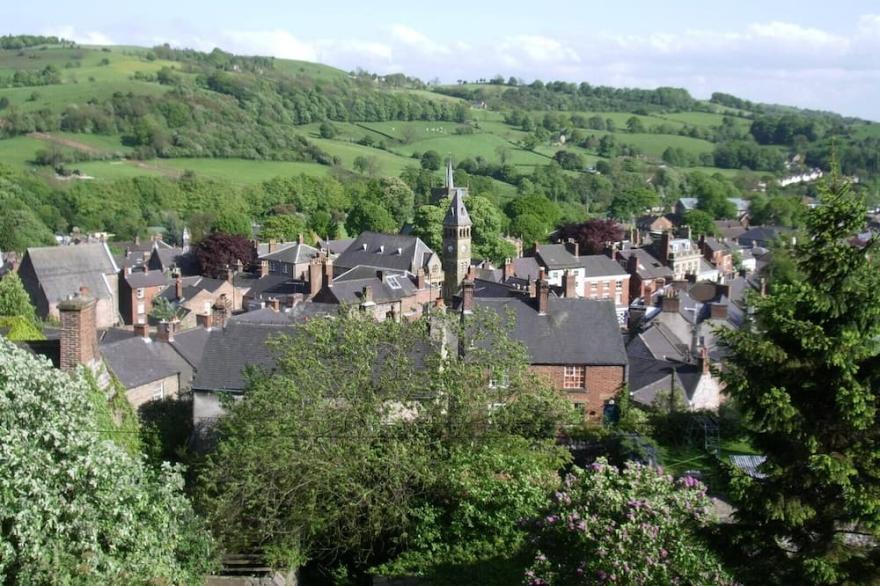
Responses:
[456,240]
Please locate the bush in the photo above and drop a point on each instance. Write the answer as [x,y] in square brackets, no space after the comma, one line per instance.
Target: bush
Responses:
[629,526]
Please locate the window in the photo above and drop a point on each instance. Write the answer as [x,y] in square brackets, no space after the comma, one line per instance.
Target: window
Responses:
[579,407]
[141,309]
[140,293]
[619,285]
[159,394]
[573,377]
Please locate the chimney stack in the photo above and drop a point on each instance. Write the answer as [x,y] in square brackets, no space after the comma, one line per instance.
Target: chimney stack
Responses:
[717,311]
[507,270]
[671,302]
[299,238]
[421,279]
[664,247]
[573,247]
[632,264]
[178,287]
[328,271]
[543,290]
[275,304]
[367,296]
[205,320]
[142,330]
[220,311]
[467,294]
[704,362]
[264,268]
[272,245]
[315,276]
[166,331]
[79,333]
[230,273]
[569,285]
[533,291]
[634,318]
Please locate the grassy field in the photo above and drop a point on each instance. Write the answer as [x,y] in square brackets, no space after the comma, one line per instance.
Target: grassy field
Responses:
[235,171]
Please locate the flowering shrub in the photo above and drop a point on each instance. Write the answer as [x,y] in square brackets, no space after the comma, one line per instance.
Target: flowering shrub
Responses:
[629,526]
[75,508]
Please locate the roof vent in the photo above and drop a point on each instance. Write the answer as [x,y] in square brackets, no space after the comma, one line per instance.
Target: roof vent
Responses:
[364,246]
[399,251]
[381,248]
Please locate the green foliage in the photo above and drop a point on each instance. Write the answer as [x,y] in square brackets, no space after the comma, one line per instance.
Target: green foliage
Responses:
[164,310]
[282,227]
[232,222]
[330,455]
[632,203]
[631,526]
[700,223]
[75,508]
[20,329]
[368,216]
[804,379]
[14,300]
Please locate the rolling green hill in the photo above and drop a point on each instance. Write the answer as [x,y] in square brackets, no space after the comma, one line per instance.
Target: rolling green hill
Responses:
[94,127]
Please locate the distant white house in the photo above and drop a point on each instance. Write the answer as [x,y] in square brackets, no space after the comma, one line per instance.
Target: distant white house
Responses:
[812,175]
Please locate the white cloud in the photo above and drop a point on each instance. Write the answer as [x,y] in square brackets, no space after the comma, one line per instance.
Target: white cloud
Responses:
[277,43]
[414,39]
[81,37]
[536,50]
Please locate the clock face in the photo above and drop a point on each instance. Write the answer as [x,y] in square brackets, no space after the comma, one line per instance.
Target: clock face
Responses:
[450,248]
[464,247]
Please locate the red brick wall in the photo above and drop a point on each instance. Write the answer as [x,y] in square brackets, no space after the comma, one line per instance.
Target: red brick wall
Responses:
[602,384]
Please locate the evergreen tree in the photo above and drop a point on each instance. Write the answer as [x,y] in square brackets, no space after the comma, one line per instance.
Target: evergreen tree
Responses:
[805,375]
[14,300]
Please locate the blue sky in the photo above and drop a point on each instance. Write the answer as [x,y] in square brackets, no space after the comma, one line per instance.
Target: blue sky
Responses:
[806,53]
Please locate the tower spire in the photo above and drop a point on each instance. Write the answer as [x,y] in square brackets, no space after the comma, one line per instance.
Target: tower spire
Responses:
[449,175]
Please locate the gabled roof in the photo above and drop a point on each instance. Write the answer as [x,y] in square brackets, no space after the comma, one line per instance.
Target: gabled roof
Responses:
[457,214]
[574,331]
[336,246]
[164,259]
[192,286]
[242,343]
[137,361]
[648,376]
[190,344]
[62,270]
[760,234]
[272,285]
[348,288]
[526,268]
[648,266]
[141,279]
[557,256]
[296,254]
[599,265]
[385,251]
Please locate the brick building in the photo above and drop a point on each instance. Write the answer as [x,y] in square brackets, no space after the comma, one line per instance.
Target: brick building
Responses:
[574,343]
[137,289]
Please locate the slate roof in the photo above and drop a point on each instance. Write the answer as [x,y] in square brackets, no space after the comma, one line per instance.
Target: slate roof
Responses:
[242,343]
[526,268]
[759,235]
[730,229]
[62,270]
[190,344]
[574,331]
[272,285]
[457,214]
[648,267]
[348,288]
[599,265]
[336,246]
[137,361]
[648,376]
[389,251]
[163,259]
[140,279]
[192,286]
[556,256]
[296,254]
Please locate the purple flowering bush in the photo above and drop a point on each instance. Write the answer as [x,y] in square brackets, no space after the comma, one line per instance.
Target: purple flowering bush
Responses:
[634,525]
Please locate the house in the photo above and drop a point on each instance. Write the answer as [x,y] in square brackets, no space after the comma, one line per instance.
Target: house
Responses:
[652,379]
[730,229]
[383,294]
[686,204]
[595,276]
[289,259]
[148,368]
[52,274]
[678,253]
[394,252]
[656,225]
[719,252]
[647,274]
[760,236]
[137,289]
[575,344]
[194,296]
[173,259]
[239,344]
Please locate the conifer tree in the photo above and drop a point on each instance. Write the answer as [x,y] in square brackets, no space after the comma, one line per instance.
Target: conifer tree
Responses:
[806,377]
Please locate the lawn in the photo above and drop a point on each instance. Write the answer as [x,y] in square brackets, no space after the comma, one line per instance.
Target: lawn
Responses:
[654,144]
[19,151]
[235,171]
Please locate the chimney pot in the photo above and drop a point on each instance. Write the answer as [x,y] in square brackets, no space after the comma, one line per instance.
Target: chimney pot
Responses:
[467,294]
[205,320]
[367,295]
[315,277]
[543,290]
[507,271]
[166,330]
[142,330]
[569,285]
[79,334]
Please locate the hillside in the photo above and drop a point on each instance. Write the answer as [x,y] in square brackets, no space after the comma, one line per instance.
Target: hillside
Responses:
[79,118]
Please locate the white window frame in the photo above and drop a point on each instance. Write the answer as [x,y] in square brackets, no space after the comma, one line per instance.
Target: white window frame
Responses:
[139,292]
[574,376]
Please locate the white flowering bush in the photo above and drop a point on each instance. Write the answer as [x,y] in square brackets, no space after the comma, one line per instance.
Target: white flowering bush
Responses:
[630,526]
[75,508]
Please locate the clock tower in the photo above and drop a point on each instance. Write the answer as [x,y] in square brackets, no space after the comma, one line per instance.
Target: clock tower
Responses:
[456,241]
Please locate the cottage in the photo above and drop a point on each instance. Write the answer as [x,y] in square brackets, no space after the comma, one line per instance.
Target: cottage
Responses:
[394,252]
[52,274]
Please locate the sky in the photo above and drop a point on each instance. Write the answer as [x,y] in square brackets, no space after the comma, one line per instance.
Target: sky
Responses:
[807,53]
